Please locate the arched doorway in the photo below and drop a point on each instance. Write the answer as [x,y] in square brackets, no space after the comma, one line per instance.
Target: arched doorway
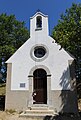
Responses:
[39,86]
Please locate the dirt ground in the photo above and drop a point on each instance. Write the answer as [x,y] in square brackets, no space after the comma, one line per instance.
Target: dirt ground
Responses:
[7,116]
[15,116]
[12,115]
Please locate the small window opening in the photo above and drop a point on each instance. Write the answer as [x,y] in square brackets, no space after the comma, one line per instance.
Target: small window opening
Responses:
[22,85]
[39,22]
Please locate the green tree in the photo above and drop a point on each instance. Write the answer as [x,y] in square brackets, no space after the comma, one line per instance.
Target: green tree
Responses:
[13,34]
[67,33]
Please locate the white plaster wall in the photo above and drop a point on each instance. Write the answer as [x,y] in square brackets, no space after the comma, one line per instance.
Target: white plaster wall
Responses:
[33,25]
[56,62]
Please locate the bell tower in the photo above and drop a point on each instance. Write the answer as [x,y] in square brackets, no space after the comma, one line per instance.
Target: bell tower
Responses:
[39,24]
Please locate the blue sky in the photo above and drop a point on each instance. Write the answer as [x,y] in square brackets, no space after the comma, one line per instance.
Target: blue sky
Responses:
[24,9]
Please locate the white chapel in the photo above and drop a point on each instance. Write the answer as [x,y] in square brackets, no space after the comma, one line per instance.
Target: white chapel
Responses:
[40,74]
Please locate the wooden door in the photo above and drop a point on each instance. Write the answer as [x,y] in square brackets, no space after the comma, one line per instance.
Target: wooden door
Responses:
[40,87]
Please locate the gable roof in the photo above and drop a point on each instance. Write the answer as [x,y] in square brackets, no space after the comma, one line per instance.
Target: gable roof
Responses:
[40,13]
[71,55]
[20,49]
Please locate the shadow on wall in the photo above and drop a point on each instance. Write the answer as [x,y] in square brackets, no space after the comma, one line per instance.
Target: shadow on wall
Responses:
[68,97]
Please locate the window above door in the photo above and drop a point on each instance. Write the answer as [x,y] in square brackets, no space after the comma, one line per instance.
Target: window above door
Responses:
[39,52]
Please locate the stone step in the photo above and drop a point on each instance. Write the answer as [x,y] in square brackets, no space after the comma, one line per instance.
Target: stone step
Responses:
[37,113]
[38,108]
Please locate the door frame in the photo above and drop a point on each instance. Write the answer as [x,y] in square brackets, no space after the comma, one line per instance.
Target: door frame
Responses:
[40,86]
[30,77]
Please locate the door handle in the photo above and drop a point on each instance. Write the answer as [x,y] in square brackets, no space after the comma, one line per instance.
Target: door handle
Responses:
[34,94]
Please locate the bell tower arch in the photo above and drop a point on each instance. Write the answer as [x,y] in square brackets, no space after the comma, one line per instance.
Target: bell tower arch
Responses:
[39,24]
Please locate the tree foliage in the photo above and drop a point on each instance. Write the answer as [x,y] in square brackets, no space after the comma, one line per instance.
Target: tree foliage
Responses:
[13,34]
[68,34]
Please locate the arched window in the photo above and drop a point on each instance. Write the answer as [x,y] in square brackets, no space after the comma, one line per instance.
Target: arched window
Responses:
[39,22]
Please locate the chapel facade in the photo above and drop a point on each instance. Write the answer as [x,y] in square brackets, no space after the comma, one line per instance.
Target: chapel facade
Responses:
[40,74]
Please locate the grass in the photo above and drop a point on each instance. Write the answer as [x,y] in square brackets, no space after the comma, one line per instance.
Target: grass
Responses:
[11,111]
[2,88]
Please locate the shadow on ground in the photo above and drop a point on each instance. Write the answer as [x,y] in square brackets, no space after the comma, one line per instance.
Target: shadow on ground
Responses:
[2,102]
[64,117]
